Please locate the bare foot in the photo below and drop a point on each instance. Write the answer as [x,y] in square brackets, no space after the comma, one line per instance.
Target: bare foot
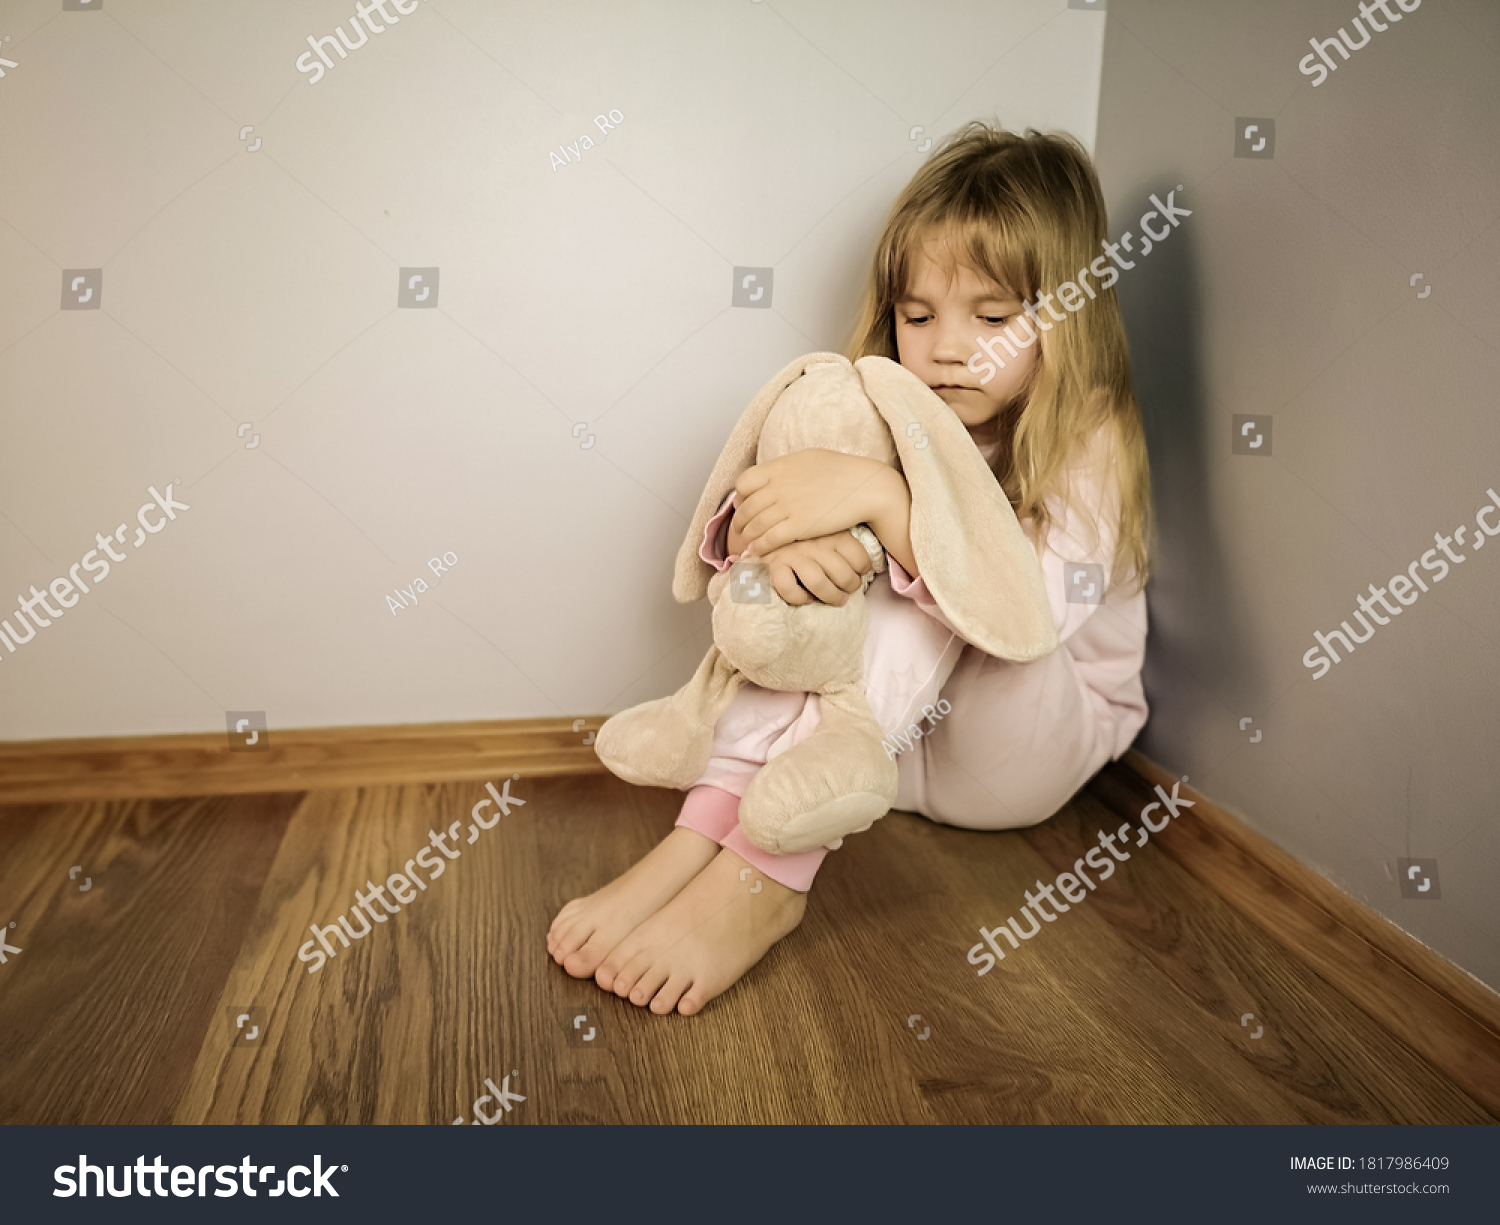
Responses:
[588,928]
[701,942]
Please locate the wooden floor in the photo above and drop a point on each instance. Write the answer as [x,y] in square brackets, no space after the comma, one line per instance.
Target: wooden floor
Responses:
[121,1004]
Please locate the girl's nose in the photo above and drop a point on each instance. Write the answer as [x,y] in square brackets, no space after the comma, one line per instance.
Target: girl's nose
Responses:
[950,344]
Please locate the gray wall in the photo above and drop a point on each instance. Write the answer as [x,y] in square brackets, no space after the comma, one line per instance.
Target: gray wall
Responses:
[258,289]
[1288,295]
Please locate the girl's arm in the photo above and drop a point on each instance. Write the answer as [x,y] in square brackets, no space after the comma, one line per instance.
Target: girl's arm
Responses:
[891,519]
[815,492]
[827,569]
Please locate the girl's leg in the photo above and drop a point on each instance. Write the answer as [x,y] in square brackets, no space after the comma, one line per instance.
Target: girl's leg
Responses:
[714,813]
[710,810]
[1017,743]
[588,929]
[908,657]
[795,871]
[760,724]
[721,924]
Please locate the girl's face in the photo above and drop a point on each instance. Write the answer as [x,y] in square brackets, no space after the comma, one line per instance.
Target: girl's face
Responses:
[939,324]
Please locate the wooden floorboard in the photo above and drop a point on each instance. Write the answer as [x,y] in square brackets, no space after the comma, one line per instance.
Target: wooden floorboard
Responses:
[1327,1059]
[1126,1009]
[1426,1003]
[115,989]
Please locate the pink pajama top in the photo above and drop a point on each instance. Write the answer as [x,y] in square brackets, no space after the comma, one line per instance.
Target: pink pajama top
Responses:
[1107,640]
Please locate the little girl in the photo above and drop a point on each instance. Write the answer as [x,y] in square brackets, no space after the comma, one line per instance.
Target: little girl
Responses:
[990,227]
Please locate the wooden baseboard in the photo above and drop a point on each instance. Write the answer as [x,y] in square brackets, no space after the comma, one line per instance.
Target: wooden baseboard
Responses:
[1435,1008]
[138,767]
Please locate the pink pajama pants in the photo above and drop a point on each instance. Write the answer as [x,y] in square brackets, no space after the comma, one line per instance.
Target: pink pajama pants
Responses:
[1016,743]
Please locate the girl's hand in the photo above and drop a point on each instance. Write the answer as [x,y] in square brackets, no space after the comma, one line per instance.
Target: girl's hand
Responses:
[830,568]
[805,495]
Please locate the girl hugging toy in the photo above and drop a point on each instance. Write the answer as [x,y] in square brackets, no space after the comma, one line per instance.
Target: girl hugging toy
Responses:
[957,512]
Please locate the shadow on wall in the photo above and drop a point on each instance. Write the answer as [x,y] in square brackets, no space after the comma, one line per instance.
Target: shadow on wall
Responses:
[1197,630]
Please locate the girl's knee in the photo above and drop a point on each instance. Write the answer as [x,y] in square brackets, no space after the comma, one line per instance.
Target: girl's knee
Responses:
[1023,789]
[1015,803]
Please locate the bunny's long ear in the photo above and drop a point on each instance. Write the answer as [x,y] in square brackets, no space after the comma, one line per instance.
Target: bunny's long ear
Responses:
[970,549]
[690,580]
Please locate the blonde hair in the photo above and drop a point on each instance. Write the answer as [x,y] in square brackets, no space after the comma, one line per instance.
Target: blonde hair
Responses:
[1027,212]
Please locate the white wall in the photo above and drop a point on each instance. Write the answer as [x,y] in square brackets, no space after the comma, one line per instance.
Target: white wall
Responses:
[261,287]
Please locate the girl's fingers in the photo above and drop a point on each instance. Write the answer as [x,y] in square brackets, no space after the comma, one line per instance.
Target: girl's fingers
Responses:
[854,553]
[762,531]
[784,579]
[761,543]
[751,479]
[839,563]
[818,582]
[753,515]
[851,564]
[747,507]
[838,570]
[824,569]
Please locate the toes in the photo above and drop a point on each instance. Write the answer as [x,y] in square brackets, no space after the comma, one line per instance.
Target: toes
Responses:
[666,999]
[632,966]
[574,935]
[582,962]
[693,1001]
[568,944]
[649,984]
[608,969]
[563,917]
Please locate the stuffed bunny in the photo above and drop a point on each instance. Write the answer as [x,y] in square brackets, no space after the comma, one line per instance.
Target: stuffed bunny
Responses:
[969,548]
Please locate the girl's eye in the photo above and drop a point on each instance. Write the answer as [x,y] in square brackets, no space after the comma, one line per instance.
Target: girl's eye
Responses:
[919,319]
[994,320]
